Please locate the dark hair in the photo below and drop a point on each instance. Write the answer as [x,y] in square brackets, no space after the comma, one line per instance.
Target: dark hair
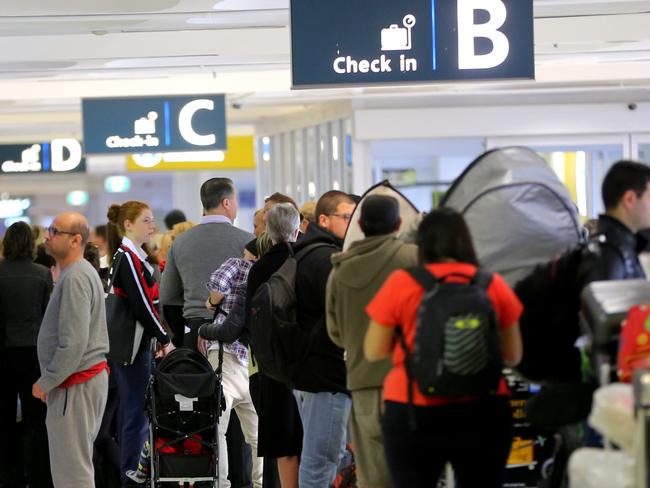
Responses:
[18,242]
[91,254]
[214,190]
[102,231]
[379,215]
[174,217]
[43,258]
[355,198]
[328,202]
[442,235]
[622,177]
[251,247]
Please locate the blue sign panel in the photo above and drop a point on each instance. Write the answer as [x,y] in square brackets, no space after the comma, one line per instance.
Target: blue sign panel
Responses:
[56,156]
[350,42]
[154,124]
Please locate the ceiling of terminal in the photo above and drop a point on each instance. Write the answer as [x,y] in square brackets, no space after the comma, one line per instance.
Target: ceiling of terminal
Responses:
[55,53]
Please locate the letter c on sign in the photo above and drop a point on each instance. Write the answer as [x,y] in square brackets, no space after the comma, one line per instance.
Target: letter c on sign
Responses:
[185,123]
[337,65]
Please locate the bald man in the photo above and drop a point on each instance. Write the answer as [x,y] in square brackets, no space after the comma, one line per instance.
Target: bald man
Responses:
[72,347]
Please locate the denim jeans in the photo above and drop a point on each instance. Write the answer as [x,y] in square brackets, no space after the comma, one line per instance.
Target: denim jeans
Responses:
[324,421]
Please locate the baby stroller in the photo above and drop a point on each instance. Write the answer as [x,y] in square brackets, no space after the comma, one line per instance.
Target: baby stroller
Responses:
[184,407]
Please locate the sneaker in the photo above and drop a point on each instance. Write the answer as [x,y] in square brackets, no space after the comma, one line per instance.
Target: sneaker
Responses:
[137,476]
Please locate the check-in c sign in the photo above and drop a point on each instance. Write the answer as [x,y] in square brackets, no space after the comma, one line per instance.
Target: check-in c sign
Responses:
[154,124]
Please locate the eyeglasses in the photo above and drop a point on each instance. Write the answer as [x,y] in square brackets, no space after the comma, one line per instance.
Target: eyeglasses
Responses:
[345,216]
[53,231]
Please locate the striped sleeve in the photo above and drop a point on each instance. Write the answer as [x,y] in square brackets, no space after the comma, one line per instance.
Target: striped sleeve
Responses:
[131,283]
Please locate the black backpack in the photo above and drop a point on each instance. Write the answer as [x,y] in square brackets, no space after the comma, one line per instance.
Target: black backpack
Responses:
[457,350]
[550,322]
[278,342]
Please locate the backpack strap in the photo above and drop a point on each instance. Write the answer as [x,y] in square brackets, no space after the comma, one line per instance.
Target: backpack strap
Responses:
[117,258]
[482,279]
[428,280]
[423,277]
[311,247]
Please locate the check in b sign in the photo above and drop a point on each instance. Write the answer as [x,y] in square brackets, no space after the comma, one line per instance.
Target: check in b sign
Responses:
[366,42]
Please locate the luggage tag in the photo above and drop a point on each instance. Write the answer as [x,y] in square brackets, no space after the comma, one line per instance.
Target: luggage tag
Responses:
[185,404]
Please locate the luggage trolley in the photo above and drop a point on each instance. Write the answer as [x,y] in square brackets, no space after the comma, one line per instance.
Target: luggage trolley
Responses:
[605,304]
[604,307]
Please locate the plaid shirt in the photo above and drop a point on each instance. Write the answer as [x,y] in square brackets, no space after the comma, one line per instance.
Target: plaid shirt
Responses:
[231,276]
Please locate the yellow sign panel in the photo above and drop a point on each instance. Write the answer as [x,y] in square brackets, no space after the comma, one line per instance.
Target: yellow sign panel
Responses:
[239,155]
[522,452]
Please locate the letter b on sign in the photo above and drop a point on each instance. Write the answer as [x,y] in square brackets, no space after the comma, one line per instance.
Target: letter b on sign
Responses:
[468,32]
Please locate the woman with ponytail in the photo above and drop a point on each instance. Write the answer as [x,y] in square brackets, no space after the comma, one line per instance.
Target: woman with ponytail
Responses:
[131,227]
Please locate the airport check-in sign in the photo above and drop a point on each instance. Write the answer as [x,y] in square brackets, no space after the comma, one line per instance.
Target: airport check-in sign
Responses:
[367,42]
[154,124]
[57,156]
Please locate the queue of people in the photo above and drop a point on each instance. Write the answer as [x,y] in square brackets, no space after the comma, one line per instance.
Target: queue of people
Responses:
[366,378]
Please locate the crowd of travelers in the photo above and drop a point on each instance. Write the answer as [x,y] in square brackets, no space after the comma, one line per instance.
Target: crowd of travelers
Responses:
[364,378]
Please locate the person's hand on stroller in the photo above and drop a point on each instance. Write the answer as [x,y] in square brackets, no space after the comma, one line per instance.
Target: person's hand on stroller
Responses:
[209,305]
[203,345]
[163,349]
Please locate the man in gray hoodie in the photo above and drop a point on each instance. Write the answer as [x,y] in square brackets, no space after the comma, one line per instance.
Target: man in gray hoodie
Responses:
[357,276]
[72,346]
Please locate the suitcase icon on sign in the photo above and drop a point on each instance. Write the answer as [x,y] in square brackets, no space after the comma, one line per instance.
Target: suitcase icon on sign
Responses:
[396,38]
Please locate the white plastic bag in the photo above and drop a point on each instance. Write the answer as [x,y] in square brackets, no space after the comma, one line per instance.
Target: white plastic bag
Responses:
[612,414]
[597,468]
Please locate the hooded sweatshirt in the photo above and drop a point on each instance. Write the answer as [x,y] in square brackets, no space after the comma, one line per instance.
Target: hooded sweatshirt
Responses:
[323,370]
[357,276]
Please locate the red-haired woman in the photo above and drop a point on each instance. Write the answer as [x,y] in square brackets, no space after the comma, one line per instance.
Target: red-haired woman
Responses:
[132,277]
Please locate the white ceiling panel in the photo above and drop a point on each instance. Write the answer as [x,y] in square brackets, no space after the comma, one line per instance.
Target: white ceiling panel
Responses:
[54,53]
[156,44]
[36,26]
[569,8]
[86,7]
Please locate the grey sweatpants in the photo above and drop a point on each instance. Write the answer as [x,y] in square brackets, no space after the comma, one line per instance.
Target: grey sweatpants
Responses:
[74,416]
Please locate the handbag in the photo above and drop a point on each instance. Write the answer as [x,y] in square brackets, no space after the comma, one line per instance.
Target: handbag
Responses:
[124,331]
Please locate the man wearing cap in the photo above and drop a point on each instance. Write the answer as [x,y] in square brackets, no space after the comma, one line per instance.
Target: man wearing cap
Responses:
[356,277]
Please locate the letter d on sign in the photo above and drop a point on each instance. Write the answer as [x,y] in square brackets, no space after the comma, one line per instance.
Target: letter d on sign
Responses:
[468,31]
[74,158]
